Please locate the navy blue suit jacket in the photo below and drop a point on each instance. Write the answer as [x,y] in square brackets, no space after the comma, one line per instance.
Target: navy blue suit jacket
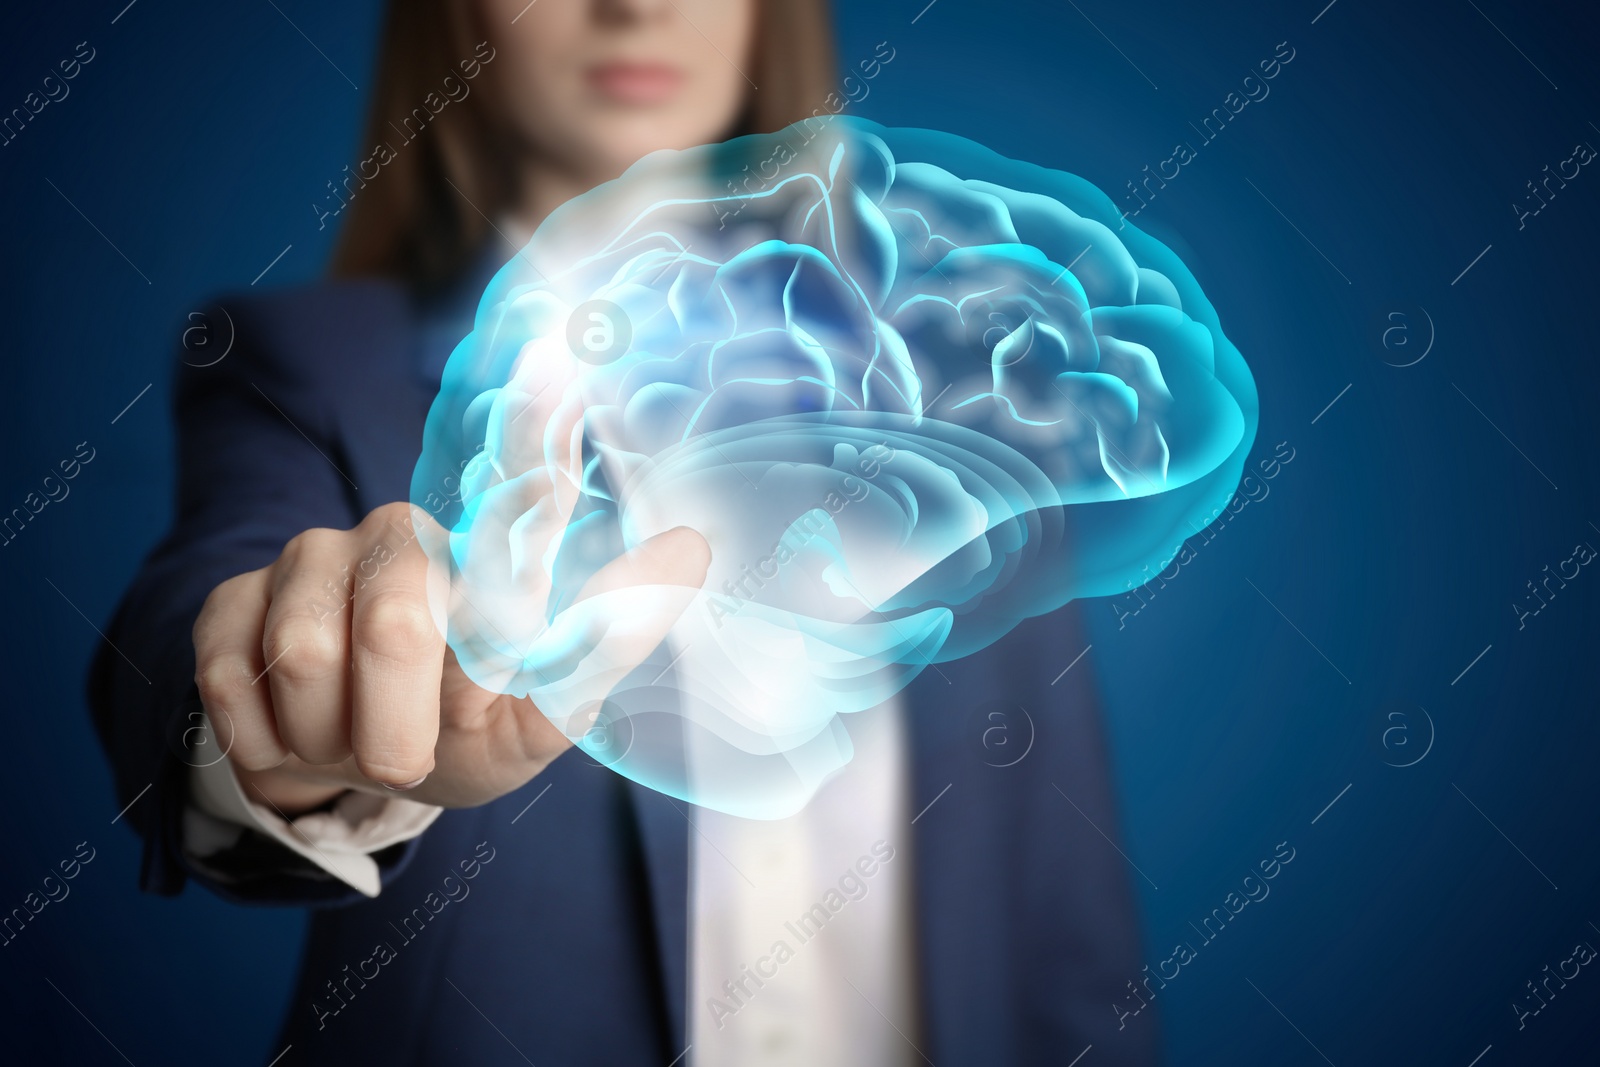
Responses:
[569,945]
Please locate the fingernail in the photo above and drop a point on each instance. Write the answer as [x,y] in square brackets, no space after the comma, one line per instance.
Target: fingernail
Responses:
[407,786]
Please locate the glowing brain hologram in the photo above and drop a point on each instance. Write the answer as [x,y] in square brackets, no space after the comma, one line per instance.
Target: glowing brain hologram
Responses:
[910,392]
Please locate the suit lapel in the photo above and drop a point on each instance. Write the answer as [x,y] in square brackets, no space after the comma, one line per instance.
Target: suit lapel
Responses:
[962,848]
[664,841]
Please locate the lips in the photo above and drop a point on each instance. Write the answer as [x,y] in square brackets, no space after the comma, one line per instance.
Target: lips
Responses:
[635,83]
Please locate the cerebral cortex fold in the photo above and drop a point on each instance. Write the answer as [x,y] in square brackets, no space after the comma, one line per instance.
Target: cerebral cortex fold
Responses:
[910,392]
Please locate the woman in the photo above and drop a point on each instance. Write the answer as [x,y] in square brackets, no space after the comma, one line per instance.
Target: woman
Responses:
[286,619]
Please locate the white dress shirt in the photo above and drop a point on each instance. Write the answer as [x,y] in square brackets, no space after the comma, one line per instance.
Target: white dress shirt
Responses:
[800,928]
[800,939]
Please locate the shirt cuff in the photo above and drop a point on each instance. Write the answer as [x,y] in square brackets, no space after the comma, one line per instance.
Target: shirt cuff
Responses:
[339,841]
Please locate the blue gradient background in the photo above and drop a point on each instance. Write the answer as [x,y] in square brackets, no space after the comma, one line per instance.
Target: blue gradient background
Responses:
[1395,542]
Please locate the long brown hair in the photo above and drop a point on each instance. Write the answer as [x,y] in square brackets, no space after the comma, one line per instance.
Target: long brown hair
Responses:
[412,226]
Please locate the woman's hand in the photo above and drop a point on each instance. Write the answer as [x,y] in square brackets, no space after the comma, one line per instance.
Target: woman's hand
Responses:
[320,679]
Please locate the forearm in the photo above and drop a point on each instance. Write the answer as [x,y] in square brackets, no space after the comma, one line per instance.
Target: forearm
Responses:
[247,481]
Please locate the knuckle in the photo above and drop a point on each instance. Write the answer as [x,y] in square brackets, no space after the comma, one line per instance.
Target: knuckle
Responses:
[222,681]
[396,625]
[225,588]
[397,512]
[304,543]
[302,651]
[219,605]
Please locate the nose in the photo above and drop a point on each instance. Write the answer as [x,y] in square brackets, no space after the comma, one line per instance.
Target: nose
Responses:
[625,11]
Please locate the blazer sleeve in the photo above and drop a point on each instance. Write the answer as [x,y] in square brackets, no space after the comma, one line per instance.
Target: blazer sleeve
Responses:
[257,463]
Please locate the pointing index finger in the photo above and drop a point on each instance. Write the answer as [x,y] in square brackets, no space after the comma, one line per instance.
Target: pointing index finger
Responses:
[397,658]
